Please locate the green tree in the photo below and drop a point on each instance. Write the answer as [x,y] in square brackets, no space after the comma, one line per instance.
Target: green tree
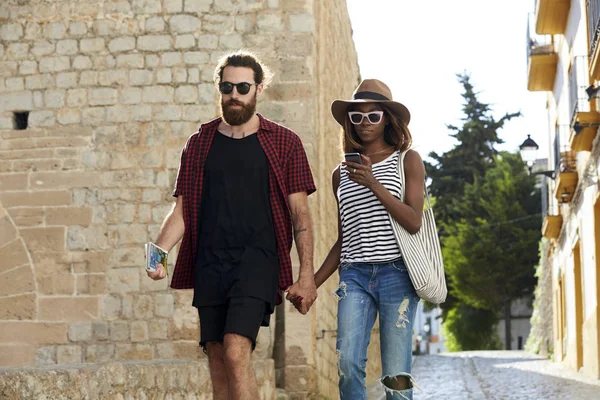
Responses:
[491,253]
[469,328]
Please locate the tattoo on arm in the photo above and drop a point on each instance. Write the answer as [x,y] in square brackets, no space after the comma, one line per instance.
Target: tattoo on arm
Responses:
[299,230]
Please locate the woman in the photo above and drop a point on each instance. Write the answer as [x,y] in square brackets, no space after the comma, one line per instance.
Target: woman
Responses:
[373,277]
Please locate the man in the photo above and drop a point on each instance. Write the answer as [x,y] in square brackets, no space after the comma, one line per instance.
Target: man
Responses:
[243,184]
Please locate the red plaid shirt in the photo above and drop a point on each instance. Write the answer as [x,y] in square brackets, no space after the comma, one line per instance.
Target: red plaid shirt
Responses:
[289,173]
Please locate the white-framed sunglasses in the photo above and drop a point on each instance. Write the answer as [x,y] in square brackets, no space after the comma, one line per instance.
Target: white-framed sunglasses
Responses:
[374,117]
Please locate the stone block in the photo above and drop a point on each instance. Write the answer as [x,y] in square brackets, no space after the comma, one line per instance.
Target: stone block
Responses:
[141,113]
[118,114]
[54,98]
[195,58]
[180,24]
[13,181]
[45,355]
[185,41]
[16,101]
[208,42]
[139,331]
[20,307]
[69,216]
[164,75]
[80,332]
[68,308]
[91,284]
[231,41]
[146,6]
[143,307]
[88,78]
[154,43]
[16,355]
[93,116]
[102,96]
[186,94]
[33,30]
[121,44]
[94,45]
[54,64]
[170,59]
[28,67]
[180,75]
[166,113]
[193,75]
[113,78]
[104,27]
[77,98]
[69,355]
[220,24]
[197,6]
[111,307]
[100,330]
[14,85]
[152,61]
[158,328]
[130,95]
[134,352]
[158,94]
[64,179]
[17,51]
[164,305]
[13,251]
[66,80]
[82,62]
[102,62]
[41,118]
[18,281]
[54,30]
[100,353]
[140,77]
[67,47]
[42,48]
[44,81]
[28,216]
[11,32]
[269,23]
[57,197]
[33,332]
[245,23]
[119,331]
[44,239]
[8,68]
[173,6]
[154,24]
[77,28]
[123,280]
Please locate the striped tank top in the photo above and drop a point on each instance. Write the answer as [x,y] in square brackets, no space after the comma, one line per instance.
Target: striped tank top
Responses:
[367,234]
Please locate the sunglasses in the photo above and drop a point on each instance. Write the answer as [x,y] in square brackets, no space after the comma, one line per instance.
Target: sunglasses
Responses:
[242,87]
[357,117]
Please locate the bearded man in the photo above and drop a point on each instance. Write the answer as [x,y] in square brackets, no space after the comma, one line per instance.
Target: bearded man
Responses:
[242,188]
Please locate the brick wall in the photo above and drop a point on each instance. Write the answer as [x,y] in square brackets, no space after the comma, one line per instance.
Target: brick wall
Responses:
[112,90]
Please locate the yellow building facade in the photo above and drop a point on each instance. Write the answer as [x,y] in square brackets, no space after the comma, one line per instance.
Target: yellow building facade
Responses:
[563,54]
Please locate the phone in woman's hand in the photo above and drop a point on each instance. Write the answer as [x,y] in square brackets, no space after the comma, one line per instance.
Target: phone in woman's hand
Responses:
[353,157]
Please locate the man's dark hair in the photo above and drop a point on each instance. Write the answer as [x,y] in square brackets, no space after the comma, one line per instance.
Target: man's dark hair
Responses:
[243,58]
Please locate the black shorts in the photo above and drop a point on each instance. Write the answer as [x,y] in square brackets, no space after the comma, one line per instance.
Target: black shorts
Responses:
[242,315]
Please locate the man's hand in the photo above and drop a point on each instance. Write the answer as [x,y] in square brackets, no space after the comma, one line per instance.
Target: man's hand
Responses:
[158,274]
[302,294]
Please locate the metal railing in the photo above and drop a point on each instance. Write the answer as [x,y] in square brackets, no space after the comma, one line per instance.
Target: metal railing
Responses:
[564,158]
[537,44]
[578,82]
[593,15]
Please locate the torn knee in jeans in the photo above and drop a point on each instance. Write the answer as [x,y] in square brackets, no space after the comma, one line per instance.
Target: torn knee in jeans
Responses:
[339,361]
[340,292]
[401,384]
[402,311]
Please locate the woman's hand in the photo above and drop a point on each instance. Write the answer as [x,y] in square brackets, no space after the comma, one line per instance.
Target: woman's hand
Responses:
[361,173]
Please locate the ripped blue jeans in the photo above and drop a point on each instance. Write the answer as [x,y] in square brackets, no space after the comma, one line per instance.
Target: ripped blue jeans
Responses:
[364,291]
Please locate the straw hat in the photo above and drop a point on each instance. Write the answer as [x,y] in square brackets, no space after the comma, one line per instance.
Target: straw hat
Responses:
[369,91]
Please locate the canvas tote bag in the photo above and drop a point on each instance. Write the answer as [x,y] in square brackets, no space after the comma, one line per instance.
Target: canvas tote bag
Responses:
[421,251]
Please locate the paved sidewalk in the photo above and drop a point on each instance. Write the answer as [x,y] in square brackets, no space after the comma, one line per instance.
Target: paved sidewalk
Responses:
[490,375]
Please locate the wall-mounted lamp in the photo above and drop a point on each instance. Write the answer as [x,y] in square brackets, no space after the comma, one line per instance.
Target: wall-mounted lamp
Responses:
[592,91]
[577,127]
[528,150]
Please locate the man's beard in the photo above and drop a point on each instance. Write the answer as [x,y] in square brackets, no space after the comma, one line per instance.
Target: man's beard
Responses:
[238,116]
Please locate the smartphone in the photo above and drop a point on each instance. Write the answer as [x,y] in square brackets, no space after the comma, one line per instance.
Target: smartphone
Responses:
[353,157]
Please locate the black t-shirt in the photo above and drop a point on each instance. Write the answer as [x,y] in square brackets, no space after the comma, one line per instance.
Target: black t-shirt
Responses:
[237,251]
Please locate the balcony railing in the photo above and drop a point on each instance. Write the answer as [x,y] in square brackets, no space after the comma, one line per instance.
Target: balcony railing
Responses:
[564,157]
[593,15]
[578,82]
[542,59]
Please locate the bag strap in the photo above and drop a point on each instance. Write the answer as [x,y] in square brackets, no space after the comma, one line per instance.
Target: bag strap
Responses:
[401,155]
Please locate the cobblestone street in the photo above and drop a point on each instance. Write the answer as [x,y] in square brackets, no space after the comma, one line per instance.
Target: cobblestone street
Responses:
[498,375]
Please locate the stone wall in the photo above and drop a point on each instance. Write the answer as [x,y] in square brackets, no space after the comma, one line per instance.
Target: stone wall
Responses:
[122,380]
[112,90]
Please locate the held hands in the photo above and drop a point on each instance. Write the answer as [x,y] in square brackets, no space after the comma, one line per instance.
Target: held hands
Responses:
[361,173]
[302,294]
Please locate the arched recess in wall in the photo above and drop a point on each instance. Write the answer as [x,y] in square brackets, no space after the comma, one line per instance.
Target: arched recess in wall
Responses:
[17,283]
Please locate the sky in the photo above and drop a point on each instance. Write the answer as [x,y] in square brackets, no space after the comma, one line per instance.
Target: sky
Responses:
[418,47]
